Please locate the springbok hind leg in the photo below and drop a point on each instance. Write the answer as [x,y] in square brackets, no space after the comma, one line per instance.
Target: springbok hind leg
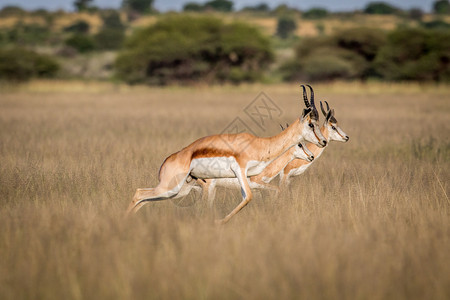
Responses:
[166,189]
[246,194]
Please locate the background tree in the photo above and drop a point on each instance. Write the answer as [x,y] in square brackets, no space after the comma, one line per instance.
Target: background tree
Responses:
[380,8]
[441,7]
[220,5]
[82,5]
[12,10]
[135,8]
[112,33]
[80,26]
[262,7]
[315,13]
[416,14]
[207,50]
[347,54]
[19,64]
[193,6]
[286,26]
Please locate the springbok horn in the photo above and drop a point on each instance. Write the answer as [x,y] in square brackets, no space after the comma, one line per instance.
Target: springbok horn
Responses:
[323,110]
[287,125]
[281,127]
[312,97]
[328,107]
[305,97]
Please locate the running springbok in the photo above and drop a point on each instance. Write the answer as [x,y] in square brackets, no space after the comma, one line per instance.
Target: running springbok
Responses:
[330,130]
[227,156]
[287,165]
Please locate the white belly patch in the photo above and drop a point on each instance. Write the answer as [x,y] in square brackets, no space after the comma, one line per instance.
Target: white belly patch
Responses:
[213,167]
[298,171]
[255,167]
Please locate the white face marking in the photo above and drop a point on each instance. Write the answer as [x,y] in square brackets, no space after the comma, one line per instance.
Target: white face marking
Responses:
[312,134]
[302,152]
[336,133]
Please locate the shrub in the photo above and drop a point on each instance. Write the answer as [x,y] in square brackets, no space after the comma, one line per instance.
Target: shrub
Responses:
[315,13]
[111,19]
[326,67]
[78,27]
[109,38]
[18,64]
[441,7]
[436,24]
[193,6]
[262,7]
[348,53]
[81,42]
[220,5]
[138,6]
[184,48]
[363,41]
[415,54]
[28,34]
[380,8]
[112,33]
[416,14]
[286,26]
[12,11]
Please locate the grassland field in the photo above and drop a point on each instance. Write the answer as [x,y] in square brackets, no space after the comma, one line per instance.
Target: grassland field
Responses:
[370,219]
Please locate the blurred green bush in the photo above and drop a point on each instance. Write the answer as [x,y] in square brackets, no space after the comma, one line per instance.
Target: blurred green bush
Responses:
[315,13]
[347,54]
[81,42]
[112,33]
[380,8]
[19,64]
[286,26]
[181,48]
[363,53]
[79,26]
[415,54]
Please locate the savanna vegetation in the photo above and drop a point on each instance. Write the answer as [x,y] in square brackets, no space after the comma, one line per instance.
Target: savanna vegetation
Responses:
[369,220]
[212,42]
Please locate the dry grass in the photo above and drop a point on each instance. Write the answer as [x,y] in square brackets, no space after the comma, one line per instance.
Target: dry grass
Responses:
[370,220]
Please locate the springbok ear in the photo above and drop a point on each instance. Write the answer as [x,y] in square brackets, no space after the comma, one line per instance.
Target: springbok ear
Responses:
[306,112]
[323,110]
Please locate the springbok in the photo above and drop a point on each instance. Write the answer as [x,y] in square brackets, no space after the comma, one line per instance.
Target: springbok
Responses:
[287,165]
[227,156]
[330,130]
[208,186]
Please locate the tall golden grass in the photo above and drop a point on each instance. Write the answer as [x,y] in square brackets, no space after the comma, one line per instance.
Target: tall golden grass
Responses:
[369,220]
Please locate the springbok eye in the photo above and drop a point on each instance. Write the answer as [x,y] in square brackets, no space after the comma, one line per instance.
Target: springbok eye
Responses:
[311,125]
[300,145]
[334,128]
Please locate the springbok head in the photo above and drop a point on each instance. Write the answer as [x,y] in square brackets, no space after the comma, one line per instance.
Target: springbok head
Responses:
[335,133]
[309,120]
[302,152]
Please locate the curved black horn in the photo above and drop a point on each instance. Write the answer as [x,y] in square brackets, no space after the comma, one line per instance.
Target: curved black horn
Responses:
[312,96]
[323,110]
[305,97]
[282,128]
[328,107]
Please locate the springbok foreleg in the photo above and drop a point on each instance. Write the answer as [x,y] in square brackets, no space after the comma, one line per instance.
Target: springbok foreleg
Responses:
[241,175]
